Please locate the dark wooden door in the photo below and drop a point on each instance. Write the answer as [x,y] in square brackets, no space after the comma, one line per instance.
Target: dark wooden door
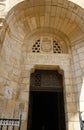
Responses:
[46,109]
[46,80]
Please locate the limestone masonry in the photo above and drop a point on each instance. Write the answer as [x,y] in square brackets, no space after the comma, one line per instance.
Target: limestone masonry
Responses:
[41,34]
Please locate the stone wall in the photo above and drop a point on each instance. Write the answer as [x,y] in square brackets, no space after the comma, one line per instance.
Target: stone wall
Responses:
[60,62]
[10,69]
[26,22]
[78,71]
[78,78]
[15,70]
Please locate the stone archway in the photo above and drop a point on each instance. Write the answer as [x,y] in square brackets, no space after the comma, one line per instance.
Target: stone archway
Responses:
[16,71]
[65,81]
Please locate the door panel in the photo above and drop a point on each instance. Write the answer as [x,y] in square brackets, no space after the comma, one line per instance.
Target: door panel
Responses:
[46,109]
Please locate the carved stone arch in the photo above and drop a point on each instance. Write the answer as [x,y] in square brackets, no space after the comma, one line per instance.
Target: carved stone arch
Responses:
[50,35]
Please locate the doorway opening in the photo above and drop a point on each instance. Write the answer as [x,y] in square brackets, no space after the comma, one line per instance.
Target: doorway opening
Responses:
[46,101]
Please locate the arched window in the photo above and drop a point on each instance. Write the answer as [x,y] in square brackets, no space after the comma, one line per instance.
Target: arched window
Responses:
[49,46]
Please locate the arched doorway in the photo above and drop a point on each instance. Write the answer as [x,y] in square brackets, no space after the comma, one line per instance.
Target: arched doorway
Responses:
[46,102]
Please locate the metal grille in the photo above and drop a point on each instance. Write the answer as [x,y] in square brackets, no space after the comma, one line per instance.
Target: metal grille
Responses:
[10,123]
[81,121]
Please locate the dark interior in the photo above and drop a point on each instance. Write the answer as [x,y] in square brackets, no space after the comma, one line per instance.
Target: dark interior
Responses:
[46,111]
[46,101]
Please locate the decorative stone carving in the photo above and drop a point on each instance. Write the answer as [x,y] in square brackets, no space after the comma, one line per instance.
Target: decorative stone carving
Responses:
[46,44]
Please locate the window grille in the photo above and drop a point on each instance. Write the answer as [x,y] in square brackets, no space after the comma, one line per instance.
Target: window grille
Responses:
[57,47]
[36,47]
[37,79]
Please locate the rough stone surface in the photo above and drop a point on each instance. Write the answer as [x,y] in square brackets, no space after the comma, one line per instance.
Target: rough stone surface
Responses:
[24,25]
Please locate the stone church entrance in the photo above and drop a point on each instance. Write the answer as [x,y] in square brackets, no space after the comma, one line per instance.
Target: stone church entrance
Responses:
[46,104]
